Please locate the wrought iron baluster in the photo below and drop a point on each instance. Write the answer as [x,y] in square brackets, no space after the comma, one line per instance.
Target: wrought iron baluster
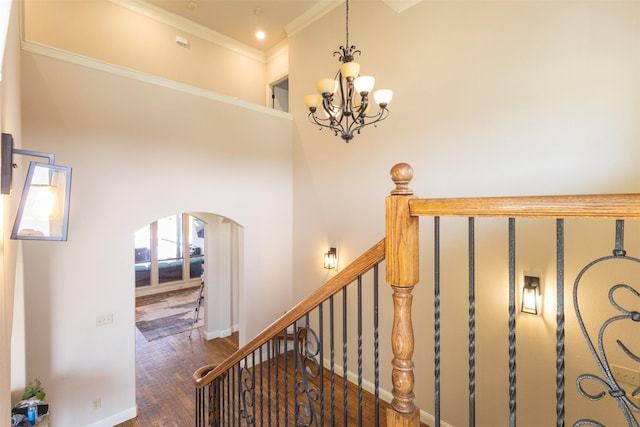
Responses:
[321,335]
[607,381]
[359,285]
[230,400]
[560,326]
[376,350]
[344,358]
[261,386]
[472,326]
[296,366]
[276,351]
[307,393]
[436,312]
[246,383]
[512,322]
[269,353]
[285,380]
[332,360]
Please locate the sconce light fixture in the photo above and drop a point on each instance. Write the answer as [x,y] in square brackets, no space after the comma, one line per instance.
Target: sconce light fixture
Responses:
[330,259]
[530,295]
[43,213]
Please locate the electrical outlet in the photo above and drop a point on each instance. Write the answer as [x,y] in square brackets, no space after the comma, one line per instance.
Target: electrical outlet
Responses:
[626,375]
[105,319]
[96,403]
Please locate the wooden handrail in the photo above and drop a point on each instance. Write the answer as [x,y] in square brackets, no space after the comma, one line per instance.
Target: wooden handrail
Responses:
[588,206]
[361,265]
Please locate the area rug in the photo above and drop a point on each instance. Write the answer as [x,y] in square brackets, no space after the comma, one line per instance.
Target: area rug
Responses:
[160,316]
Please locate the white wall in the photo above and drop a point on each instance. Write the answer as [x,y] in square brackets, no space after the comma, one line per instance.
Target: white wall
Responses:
[490,98]
[140,152]
[12,369]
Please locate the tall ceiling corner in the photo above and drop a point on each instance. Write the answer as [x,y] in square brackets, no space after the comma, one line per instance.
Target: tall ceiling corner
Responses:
[316,12]
[401,5]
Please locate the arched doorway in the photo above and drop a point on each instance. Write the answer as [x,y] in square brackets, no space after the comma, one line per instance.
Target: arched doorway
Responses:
[174,252]
[215,242]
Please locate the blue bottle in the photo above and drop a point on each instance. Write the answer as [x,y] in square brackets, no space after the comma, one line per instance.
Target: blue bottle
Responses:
[32,413]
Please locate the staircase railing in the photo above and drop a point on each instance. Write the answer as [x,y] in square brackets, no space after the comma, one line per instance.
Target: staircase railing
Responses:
[264,384]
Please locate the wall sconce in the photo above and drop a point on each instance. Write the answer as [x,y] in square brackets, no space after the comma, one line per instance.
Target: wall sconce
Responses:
[43,213]
[530,295]
[330,259]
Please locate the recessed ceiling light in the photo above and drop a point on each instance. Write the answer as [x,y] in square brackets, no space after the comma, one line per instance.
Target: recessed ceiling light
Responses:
[260,35]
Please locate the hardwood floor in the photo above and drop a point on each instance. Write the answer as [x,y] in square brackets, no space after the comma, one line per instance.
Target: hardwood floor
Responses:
[164,389]
[165,394]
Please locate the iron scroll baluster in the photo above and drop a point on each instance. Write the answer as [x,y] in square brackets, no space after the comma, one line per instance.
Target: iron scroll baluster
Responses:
[247,393]
[607,381]
[310,367]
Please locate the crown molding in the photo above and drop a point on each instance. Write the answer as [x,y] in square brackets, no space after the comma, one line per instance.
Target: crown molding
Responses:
[310,16]
[95,64]
[325,6]
[183,24]
[401,5]
[281,48]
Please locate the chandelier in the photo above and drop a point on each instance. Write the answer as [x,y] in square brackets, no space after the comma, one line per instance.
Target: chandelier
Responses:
[342,103]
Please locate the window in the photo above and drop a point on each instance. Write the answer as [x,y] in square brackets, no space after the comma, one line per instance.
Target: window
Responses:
[169,250]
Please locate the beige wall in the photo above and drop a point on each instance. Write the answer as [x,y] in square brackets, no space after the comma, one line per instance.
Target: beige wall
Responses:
[490,98]
[110,32]
[11,331]
[140,152]
[141,149]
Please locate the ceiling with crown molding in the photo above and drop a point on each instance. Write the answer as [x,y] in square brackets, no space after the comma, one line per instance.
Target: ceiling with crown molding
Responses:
[239,20]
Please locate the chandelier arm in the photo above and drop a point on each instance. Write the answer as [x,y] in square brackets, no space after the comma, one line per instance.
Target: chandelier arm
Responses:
[382,114]
[346,117]
[347,98]
[333,121]
[318,121]
[334,114]
[364,104]
[360,122]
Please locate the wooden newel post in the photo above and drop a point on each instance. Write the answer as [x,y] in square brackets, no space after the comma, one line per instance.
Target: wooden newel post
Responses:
[401,246]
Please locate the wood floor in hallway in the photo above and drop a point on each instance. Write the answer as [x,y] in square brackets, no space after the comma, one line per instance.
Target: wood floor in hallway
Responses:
[165,394]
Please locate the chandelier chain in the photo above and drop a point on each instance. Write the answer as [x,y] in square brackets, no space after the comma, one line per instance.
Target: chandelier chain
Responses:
[344,101]
[347,25]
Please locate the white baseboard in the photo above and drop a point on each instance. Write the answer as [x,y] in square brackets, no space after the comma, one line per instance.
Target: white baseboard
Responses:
[210,335]
[116,419]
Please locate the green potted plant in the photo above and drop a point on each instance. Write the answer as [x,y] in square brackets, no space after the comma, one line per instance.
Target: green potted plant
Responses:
[34,389]
[33,397]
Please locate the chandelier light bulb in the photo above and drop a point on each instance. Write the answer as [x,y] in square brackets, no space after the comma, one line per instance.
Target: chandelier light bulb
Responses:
[327,85]
[364,84]
[350,69]
[313,100]
[383,96]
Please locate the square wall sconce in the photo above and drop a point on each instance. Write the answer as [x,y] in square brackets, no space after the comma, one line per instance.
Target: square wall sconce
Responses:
[531,295]
[330,259]
[43,213]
